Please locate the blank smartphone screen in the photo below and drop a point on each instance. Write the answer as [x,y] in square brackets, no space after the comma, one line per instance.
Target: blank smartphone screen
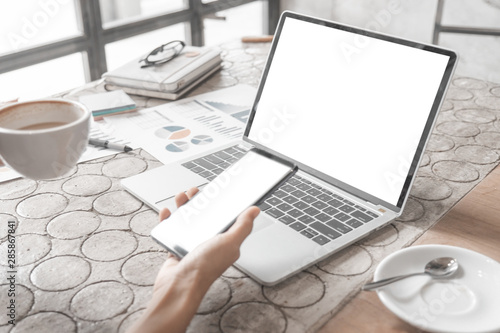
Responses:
[215,208]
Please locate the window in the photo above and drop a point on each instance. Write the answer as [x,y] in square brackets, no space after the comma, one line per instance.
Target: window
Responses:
[29,23]
[122,51]
[46,31]
[233,23]
[31,82]
[116,12]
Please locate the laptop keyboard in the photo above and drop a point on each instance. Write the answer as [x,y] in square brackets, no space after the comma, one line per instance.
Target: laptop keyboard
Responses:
[304,206]
[211,165]
[315,212]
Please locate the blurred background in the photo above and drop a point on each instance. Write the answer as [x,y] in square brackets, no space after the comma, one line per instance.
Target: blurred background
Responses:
[49,46]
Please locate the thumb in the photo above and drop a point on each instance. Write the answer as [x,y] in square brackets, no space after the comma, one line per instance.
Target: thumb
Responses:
[243,225]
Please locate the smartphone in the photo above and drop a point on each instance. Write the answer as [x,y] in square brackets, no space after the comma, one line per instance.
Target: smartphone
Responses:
[215,208]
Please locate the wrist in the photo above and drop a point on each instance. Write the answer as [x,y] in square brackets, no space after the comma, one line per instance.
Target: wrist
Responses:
[190,286]
[174,303]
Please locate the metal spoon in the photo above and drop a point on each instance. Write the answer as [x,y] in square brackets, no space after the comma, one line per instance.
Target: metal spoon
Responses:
[437,268]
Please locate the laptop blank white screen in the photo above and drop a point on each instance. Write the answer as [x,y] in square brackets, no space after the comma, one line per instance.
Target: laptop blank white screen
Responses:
[350,106]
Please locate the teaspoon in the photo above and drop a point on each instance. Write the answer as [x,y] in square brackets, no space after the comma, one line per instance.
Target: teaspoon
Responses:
[437,268]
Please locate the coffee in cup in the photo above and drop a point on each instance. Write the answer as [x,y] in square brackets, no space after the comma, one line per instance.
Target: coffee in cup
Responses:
[43,139]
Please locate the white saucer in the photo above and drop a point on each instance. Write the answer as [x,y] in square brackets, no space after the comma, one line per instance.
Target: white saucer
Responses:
[467,302]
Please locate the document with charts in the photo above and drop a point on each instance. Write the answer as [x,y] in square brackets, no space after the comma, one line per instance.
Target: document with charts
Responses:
[177,130]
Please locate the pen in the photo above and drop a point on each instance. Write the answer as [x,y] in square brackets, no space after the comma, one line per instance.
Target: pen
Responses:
[110,145]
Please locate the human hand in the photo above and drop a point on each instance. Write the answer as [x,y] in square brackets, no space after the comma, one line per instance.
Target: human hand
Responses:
[181,284]
[213,257]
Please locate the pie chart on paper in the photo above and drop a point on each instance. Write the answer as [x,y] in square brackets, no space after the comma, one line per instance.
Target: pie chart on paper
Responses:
[172,132]
[202,139]
[177,147]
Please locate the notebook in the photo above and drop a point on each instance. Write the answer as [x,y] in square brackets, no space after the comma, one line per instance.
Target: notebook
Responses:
[172,77]
[353,109]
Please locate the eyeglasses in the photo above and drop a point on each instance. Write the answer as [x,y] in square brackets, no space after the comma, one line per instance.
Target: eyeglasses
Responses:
[163,54]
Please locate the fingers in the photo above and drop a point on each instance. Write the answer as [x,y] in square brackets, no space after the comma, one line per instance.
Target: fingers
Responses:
[213,257]
[191,192]
[182,198]
[240,229]
[243,225]
[164,214]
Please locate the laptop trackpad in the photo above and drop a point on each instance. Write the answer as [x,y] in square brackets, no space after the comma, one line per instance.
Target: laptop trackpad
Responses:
[177,179]
[160,185]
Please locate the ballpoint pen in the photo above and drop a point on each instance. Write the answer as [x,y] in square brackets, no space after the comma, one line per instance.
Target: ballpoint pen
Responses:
[110,145]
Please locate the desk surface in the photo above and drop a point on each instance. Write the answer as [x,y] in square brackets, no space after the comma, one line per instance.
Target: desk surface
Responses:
[473,224]
[86,262]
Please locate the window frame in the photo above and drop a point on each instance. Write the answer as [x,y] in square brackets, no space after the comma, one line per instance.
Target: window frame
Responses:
[94,37]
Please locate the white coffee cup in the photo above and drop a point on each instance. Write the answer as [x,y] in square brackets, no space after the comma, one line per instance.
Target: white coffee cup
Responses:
[43,139]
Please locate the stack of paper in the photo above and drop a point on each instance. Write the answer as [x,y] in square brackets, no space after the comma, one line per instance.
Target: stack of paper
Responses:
[108,103]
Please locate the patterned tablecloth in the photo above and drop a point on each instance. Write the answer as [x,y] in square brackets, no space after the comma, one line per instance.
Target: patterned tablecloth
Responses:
[86,262]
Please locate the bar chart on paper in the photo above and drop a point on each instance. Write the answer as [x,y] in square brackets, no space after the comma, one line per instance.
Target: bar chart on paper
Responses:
[215,120]
[240,112]
[225,119]
[216,123]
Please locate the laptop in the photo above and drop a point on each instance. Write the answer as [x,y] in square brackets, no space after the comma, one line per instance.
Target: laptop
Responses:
[353,109]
